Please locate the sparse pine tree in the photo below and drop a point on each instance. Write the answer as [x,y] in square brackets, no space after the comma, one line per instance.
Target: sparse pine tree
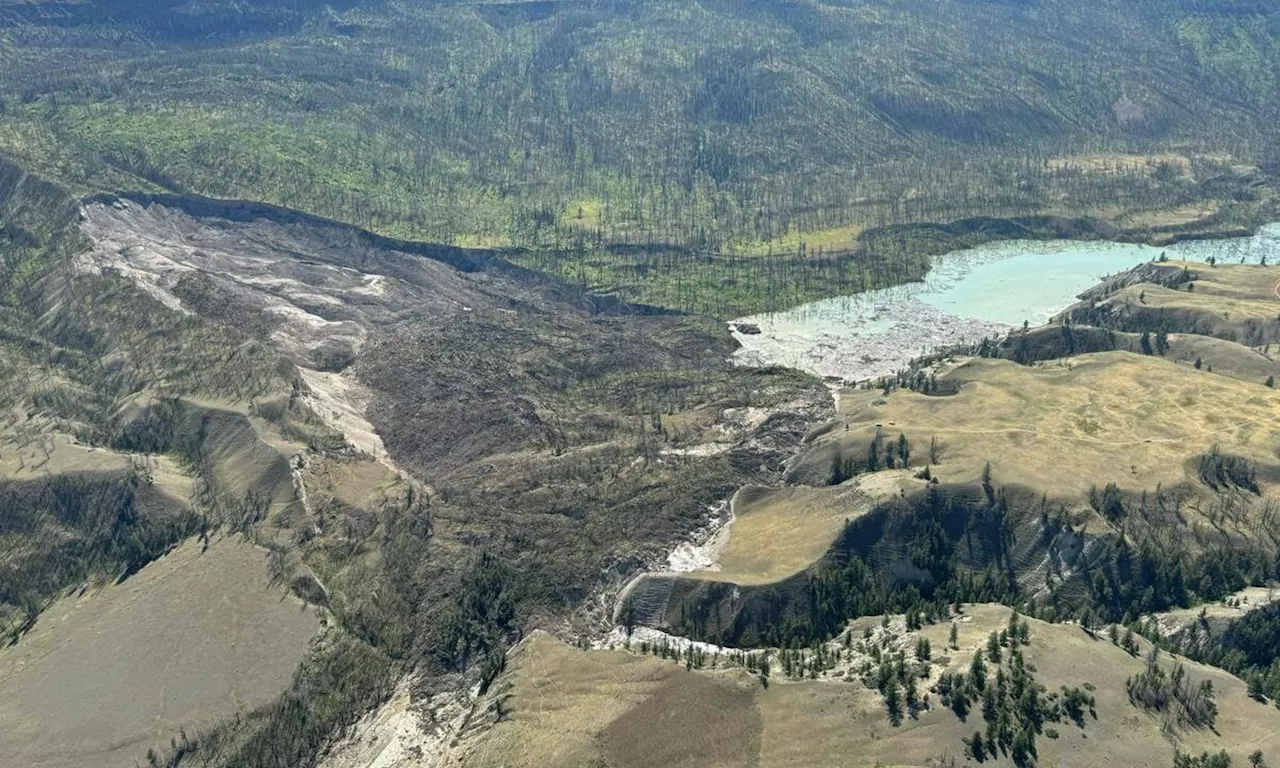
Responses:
[978,672]
[993,648]
[977,747]
[893,702]
[990,706]
[837,468]
[1023,750]
[924,652]
[912,696]
[1256,690]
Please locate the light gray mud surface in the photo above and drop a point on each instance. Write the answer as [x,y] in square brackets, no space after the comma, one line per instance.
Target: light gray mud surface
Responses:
[967,296]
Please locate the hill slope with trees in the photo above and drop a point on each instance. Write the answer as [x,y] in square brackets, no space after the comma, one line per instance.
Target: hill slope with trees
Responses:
[634,146]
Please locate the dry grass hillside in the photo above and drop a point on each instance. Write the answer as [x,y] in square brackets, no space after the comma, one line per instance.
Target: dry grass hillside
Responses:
[778,532]
[1066,425]
[1118,469]
[1235,302]
[564,706]
[1063,429]
[106,674]
[561,706]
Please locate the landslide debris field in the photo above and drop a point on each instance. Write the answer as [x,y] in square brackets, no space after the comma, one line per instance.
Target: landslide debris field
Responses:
[414,455]
[430,446]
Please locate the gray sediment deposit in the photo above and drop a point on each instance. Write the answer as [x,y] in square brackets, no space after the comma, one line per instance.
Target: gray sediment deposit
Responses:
[966,297]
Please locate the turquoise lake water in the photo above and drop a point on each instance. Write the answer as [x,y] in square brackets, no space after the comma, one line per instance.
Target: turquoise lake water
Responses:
[966,296]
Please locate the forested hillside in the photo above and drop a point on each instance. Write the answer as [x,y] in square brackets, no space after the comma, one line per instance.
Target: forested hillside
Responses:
[668,150]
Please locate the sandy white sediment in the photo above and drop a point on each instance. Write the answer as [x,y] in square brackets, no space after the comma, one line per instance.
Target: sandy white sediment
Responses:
[702,551]
[403,732]
[341,401]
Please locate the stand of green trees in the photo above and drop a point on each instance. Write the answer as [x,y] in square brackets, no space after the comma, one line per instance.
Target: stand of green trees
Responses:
[962,546]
